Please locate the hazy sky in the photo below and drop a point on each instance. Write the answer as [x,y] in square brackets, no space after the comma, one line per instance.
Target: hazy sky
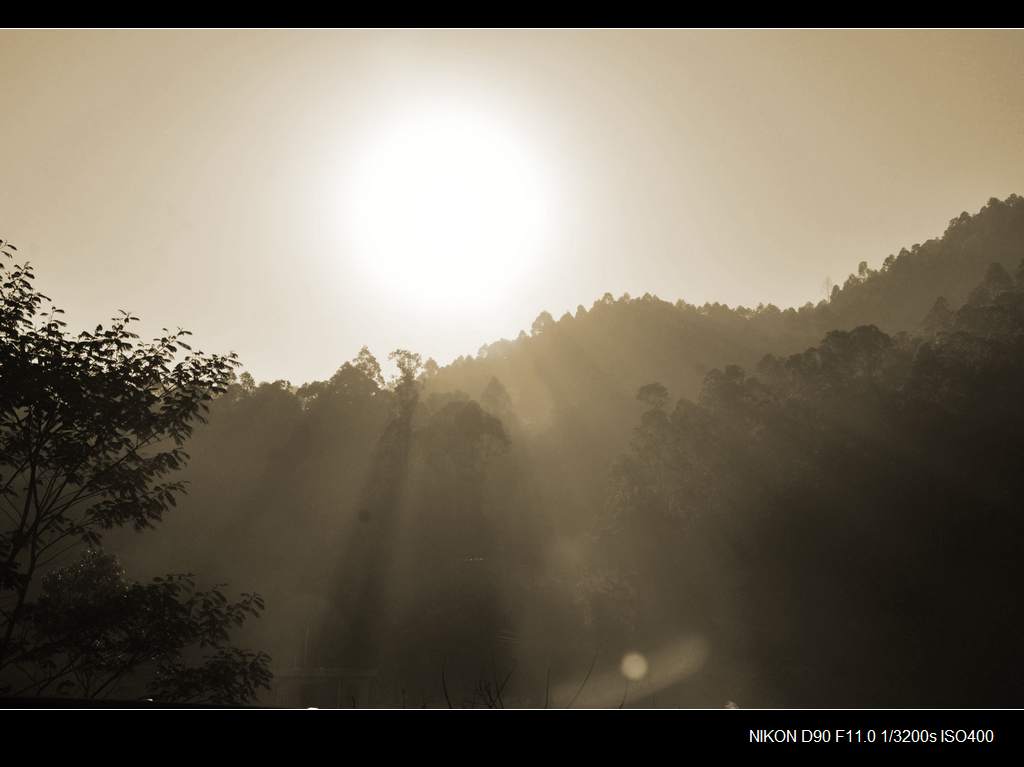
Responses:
[215,180]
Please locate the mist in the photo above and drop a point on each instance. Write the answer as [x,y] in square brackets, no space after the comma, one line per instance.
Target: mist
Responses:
[403,466]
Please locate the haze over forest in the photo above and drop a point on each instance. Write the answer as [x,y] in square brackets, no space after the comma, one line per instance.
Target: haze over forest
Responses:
[788,491]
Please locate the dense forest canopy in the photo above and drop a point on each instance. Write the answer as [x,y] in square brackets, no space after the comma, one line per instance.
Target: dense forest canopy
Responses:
[815,506]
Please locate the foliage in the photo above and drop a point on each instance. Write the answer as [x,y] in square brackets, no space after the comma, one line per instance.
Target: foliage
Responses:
[824,492]
[866,492]
[91,428]
[91,627]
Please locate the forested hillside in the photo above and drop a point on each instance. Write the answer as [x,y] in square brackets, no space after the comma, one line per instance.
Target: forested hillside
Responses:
[818,505]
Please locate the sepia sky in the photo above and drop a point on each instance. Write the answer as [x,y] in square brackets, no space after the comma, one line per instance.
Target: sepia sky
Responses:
[293,195]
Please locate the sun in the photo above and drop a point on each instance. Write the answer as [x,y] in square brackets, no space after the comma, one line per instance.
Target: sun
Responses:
[449,209]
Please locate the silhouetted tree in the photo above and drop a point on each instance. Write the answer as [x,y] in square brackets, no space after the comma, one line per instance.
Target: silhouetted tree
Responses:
[543,322]
[91,627]
[91,425]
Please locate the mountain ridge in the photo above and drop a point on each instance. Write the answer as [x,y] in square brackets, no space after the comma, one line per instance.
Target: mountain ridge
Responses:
[895,297]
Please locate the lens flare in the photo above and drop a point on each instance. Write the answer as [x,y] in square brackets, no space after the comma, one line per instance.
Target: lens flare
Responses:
[634,666]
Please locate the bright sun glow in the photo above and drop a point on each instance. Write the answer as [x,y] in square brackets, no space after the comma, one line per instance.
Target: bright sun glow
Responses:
[447,208]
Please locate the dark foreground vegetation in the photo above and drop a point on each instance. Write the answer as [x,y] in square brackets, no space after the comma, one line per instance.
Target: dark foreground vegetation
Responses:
[810,507]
